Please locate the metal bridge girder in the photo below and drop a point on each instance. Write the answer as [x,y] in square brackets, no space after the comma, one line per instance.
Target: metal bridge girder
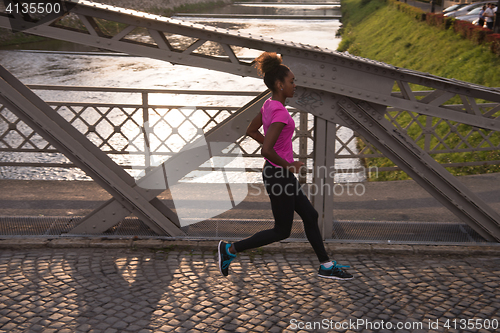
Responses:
[77,148]
[314,67]
[365,85]
[368,120]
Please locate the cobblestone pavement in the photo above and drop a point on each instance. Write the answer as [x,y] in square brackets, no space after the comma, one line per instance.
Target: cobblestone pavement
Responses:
[127,290]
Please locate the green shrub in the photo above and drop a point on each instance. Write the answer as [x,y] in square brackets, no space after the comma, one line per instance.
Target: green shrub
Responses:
[494,42]
[478,34]
[439,20]
[416,13]
[436,20]
[449,22]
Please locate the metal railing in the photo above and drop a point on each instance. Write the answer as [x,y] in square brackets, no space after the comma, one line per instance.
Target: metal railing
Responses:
[122,129]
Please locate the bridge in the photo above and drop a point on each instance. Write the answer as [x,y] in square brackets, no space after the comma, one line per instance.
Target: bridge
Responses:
[336,88]
[297,6]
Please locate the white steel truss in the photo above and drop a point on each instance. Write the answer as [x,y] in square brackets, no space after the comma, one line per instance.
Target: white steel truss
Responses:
[337,88]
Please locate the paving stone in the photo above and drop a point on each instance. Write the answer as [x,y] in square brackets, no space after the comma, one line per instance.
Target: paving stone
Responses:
[112,290]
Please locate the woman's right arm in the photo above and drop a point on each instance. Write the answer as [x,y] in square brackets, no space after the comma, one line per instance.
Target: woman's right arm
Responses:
[273,132]
[253,129]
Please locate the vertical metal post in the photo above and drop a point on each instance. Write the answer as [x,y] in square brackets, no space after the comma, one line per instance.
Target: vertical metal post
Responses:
[322,189]
[319,171]
[146,130]
[329,188]
[302,134]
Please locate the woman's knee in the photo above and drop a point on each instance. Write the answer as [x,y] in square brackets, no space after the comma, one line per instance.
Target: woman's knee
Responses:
[282,234]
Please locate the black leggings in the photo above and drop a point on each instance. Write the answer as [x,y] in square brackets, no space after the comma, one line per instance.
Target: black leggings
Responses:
[286,197]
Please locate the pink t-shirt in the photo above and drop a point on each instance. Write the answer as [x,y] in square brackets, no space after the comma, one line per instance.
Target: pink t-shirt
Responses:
[272,112]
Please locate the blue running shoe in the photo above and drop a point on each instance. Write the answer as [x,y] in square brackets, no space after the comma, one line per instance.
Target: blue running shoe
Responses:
[335,272]
[225,258]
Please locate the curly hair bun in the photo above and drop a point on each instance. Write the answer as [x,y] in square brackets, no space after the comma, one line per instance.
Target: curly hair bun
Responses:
[270,67]
[268,61]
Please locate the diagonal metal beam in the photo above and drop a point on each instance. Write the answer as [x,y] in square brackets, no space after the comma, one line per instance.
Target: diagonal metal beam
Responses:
[421,167]
[159,39]
[77,148]
[368,120]
[91,25]
[229,130]
[437,97]
[406,90]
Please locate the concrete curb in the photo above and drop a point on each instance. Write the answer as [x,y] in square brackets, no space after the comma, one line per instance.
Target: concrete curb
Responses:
[281,247]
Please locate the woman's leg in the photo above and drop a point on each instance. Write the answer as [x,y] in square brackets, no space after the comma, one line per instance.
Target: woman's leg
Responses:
[309,216]
[280,188]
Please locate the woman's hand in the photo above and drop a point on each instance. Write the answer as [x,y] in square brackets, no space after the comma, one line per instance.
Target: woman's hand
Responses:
[273,132]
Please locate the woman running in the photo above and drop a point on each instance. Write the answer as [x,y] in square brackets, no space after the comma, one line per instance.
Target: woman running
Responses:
[278,173]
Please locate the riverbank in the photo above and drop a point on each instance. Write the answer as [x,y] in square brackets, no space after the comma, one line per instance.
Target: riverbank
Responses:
[159,7]
[378,30]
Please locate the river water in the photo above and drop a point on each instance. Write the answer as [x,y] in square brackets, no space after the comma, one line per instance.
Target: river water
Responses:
[80,67]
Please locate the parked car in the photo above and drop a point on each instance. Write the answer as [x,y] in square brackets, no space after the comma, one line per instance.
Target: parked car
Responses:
[454,7]
[466,9]
[472,16]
